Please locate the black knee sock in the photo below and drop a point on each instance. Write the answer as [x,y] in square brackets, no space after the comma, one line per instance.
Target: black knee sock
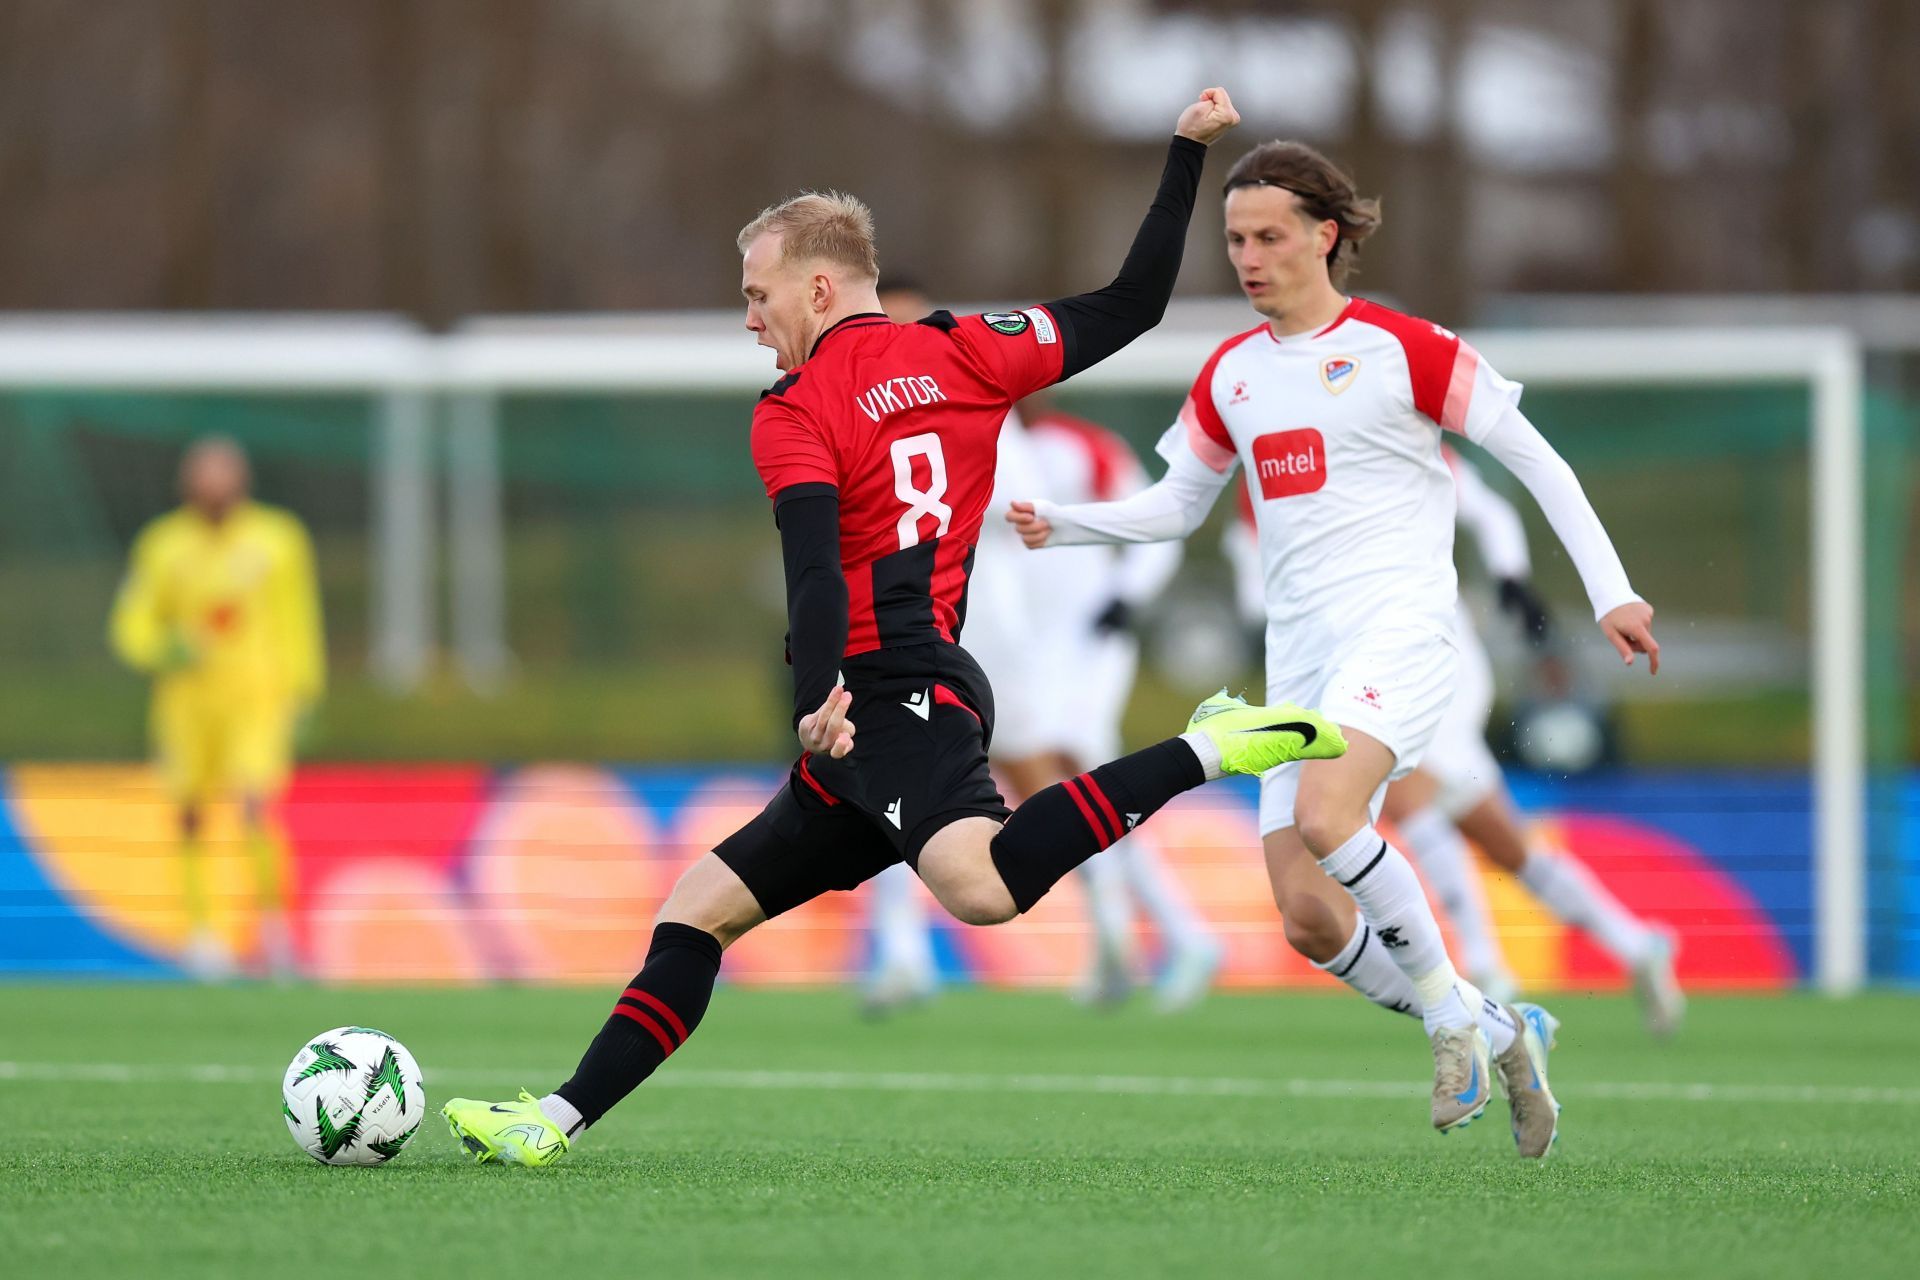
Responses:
[1061,827]
[654,1016]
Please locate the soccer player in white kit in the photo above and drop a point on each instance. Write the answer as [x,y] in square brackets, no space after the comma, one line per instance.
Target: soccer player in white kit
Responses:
[1336,406]
[1084,660]
[1460,794]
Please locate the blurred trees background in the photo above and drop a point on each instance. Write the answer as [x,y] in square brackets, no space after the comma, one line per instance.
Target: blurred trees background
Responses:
[446,157]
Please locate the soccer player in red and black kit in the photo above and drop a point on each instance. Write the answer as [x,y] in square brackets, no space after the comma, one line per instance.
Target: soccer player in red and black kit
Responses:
[877,449]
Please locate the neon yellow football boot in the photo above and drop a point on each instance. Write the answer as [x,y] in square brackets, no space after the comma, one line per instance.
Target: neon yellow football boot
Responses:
[505,1132]
[1254,739]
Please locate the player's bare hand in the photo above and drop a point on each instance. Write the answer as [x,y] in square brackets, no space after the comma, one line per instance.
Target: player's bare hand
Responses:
[828,731]
[1209,118]
[1630,630]
[1029,524]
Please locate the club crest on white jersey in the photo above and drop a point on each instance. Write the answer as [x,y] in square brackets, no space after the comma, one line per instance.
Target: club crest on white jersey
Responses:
[1337,373]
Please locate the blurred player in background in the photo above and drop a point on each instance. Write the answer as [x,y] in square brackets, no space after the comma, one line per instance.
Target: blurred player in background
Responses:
[1459,791]
[221,608]
[876,450]
[1336,407]
[1088,656]
[1052,635]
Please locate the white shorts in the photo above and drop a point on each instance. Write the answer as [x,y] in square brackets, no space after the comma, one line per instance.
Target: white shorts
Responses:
[1086,679]
[1062,693]
[999,633]
[1458,757]
[1393,685]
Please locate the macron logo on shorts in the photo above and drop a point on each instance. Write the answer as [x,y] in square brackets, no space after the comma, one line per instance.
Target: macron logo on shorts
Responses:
[1290,463]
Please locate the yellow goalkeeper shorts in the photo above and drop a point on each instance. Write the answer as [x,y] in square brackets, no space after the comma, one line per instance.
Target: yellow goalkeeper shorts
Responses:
[212,748]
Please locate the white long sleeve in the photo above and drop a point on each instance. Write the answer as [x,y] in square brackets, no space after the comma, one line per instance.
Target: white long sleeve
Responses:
[1165,511]
[1491,519]
[1525,452]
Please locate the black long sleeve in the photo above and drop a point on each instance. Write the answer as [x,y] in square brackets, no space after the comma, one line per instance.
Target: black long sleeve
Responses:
[809,519]
[1095,325]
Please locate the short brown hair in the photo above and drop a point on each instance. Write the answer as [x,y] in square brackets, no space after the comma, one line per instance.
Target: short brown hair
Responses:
[1325,193]
[827,225]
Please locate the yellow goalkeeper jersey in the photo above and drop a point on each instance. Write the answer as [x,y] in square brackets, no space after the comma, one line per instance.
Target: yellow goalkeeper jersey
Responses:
[228,611]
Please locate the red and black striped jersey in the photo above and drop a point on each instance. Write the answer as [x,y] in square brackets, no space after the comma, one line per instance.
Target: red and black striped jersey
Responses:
[903,422]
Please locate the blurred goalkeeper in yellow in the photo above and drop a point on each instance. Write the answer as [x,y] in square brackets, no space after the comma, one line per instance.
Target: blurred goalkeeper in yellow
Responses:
[221,608]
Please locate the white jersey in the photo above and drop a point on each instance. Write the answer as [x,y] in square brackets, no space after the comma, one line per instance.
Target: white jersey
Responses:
[1000,607]
[1354,507]
[1083,462]
[1339,431]
[1492,520]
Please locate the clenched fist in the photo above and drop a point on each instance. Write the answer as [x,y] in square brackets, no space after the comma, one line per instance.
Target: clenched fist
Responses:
[1029,524]
[1208,118]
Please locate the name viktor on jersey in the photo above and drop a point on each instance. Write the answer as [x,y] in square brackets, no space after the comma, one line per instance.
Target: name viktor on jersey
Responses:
[896,395]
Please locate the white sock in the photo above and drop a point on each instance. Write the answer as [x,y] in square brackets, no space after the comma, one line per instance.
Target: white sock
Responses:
[564,1114]
[1209,752]
[902,939]
[1363,964]
[1160,896]
[1492,1019]
[1437,846]
[1569,890]
[1382,881]
[1107,907]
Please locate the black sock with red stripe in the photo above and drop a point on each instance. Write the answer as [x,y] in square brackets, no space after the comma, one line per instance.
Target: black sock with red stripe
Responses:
[1061,827]
[654,1016]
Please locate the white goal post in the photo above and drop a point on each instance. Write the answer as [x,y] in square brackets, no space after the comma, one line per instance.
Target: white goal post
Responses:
[408,375]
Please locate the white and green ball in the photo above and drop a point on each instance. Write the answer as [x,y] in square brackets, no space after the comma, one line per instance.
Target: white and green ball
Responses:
[353,1095]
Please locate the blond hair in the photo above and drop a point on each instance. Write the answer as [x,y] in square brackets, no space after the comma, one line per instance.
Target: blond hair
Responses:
[828,226]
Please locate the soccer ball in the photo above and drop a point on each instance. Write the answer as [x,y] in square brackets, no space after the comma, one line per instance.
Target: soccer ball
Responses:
[353,1095]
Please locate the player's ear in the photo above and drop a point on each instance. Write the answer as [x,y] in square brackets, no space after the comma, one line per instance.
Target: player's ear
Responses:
[820,292]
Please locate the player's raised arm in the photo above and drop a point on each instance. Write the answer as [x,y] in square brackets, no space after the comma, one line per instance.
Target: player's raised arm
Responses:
[1095,325]
[1021,352]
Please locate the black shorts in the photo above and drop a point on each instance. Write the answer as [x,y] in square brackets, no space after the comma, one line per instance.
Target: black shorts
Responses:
[922,716]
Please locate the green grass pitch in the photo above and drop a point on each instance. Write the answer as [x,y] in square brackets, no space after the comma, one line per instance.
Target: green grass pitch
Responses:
[985,1135]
